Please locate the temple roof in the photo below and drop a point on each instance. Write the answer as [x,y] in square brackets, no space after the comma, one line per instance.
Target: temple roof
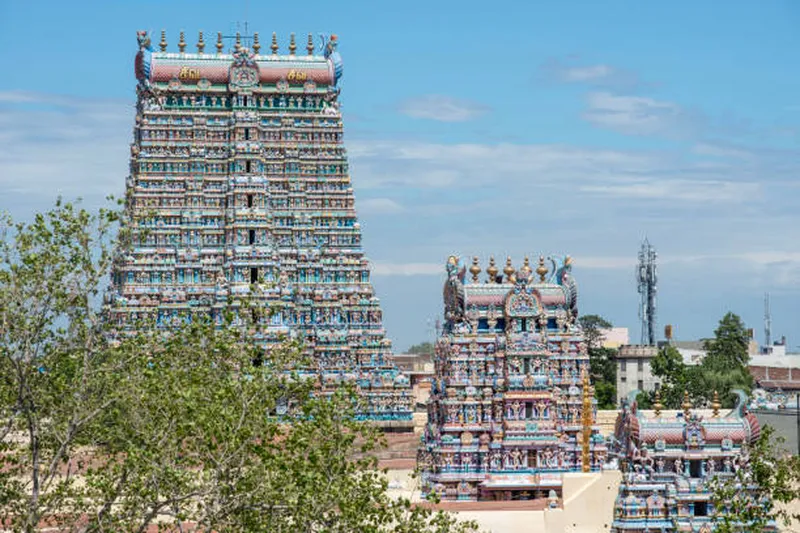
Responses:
[215,67]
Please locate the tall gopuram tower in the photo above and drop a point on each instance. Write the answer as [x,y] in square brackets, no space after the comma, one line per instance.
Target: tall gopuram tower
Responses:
[511,407]
[239,180]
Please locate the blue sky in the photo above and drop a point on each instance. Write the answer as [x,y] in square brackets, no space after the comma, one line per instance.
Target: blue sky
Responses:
[475,128]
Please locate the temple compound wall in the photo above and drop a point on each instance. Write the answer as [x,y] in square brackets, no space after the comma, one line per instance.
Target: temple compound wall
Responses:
[669,460]
[239,188]
[511,408]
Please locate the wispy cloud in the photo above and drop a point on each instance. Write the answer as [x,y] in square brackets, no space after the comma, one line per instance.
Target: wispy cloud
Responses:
[51,144]
[639,115]
[598,75]
[442,108]
[379,206]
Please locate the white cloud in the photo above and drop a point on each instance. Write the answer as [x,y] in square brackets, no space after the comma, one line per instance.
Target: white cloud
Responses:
[60,145]
[442,108]
[639,115]
[379,206]
[594,75]
[407,269]
[679,189]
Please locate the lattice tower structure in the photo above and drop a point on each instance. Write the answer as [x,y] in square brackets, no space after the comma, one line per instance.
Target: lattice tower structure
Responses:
[647,280]
[239,180]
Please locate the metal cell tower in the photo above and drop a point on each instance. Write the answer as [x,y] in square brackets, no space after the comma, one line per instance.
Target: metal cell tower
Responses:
[767,322]
[647,281]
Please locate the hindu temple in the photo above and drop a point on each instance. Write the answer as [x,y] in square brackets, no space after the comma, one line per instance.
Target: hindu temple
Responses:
[511,407]
[668,463]
[239,187]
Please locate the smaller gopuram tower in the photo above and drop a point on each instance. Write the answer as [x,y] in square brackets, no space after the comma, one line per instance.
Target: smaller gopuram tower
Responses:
[669,460]
[506,416]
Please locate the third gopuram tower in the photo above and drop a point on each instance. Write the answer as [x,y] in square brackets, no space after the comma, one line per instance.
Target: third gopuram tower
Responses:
[239,179]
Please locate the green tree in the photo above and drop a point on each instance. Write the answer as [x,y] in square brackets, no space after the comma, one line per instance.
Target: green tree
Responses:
[602,361]
[675,377]
[182,427]
[724,368]
[423,348]
[725,365]
[758,496]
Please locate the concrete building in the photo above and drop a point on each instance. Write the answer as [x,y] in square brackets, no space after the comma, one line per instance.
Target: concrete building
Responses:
[634,370]
[615,337]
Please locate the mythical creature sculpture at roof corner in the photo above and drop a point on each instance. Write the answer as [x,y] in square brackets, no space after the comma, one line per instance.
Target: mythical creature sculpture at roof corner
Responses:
[144,58]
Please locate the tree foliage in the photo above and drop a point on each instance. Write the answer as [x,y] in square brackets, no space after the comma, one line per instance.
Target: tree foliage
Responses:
[724,368]
[602,361]
[423,348]
[757,498]
[187,427]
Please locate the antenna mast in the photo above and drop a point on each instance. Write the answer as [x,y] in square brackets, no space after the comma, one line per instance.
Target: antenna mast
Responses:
[647,279]
[767,322]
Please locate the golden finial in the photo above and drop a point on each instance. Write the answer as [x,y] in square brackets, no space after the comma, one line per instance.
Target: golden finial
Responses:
[475,269]
[200,44]
[509,270]
[310,45]
[163,43]
[492,270]
[715,405]
[256,44]
[238,44]
[658,406]
[292,45]
[687,403]
[219,42]
[587,423]
[541,269]
[181,44]
[526,266]
[274,43]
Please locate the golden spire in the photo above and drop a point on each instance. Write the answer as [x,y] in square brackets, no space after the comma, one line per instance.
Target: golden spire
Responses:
[238,44]
[715,405]
[200,44]
[587,423]
[475,269]
[541,269]
[687,403]
[292,45]
[658,406]
[526,267]
[181,44]
[310,45]
[163,43]
[508,270]
[274,43]
[492,270]
[219,42]
[256,44]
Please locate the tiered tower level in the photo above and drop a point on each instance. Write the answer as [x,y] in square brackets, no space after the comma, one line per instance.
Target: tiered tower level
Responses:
[511,407]
[239,180]
[669,461]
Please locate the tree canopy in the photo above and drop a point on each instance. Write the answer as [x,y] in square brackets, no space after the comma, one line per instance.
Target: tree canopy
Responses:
[723,369]
[423,348]
[602,361]
[108,432]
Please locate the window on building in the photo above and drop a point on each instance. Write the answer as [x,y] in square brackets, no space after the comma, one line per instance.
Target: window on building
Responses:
[623,379]
[251,236]
[701,508]
[247,166]
[247,134]
[244,102]
[640,365]
[528,410]
[253,275]
[640,385]
[249,200]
